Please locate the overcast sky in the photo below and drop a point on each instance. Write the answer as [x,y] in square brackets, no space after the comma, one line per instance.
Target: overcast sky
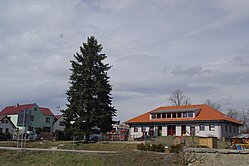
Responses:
[154,46]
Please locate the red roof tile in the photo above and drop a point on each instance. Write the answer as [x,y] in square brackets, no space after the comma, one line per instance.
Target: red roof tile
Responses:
[57,116]
[206,113]
[46,111]
[15,109]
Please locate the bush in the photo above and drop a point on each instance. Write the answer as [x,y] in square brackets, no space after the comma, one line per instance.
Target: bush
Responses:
[160,148]
[141,146]
[175,148]
[153,147]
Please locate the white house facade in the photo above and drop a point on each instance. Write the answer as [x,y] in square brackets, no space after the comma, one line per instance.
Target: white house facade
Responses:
[6,125]
[198,120]
[59,123]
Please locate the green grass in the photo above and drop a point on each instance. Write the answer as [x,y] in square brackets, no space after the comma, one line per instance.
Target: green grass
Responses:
[9,158]
[127,155]
[101,146]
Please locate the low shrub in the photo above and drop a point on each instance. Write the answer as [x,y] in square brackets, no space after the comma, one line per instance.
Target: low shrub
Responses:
[149,147]
[175,148]
[160,148]
[141,146]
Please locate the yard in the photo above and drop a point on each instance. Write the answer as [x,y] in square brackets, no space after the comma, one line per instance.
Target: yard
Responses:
[127,155]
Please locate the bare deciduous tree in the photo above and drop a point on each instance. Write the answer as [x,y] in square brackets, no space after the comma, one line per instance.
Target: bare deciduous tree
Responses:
[233,113]
[177,98]
[244,118]
[212,104]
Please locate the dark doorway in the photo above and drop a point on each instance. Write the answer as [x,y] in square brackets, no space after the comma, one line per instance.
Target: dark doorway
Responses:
[183,130]
[159,131]
[171,130]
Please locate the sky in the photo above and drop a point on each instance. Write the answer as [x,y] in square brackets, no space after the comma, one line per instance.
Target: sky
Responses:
[153,46]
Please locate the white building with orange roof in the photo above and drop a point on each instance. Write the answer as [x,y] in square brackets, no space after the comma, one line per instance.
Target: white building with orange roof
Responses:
[199,120]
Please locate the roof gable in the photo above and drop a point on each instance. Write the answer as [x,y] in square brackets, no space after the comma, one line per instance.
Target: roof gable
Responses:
[204,113]
[2,117]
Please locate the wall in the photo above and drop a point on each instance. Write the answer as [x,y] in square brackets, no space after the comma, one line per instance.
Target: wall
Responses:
[135,134]
[219,130]
[7,125]
[57,125]
[40,119]
[227,133]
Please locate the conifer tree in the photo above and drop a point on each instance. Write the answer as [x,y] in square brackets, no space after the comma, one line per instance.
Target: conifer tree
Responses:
[89,95]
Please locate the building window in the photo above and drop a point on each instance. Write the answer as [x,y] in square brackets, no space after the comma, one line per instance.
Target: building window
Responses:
[158,116]
[30,128]
[143,129]
[35,109]
[151,131]
[230,129]
[190,114]
[6,121]
[226,128]
[168,115]
[163,115]
[234,130]
[202,127]
[153,116]
[179,115]
[135,129]
[47,119]
[211,127]
[173,115]
[62,123]
[32,117]
[185,114]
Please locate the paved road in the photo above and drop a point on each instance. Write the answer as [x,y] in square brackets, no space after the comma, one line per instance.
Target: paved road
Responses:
[59,150]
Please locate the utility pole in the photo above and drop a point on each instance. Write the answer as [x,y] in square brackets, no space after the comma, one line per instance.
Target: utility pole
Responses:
[23,122]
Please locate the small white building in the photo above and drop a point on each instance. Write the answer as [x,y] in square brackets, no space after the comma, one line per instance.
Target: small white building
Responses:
[6,125]
[198,120]
[59,123]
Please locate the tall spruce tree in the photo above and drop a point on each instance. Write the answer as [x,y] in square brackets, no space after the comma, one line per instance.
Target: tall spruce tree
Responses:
[89,97]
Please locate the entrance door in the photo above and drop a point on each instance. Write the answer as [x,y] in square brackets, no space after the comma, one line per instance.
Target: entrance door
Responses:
[183,130]
[159,131]
[172,130]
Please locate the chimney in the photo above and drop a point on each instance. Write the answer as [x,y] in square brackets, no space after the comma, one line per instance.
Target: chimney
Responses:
[17,105]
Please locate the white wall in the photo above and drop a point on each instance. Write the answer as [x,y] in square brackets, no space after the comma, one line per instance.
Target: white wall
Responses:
[219,130]
[7,125]
[136,134]
[164,130]
[57,125]
[178,130]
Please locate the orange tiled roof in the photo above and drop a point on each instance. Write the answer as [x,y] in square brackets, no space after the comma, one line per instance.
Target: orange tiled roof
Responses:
[206,113]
